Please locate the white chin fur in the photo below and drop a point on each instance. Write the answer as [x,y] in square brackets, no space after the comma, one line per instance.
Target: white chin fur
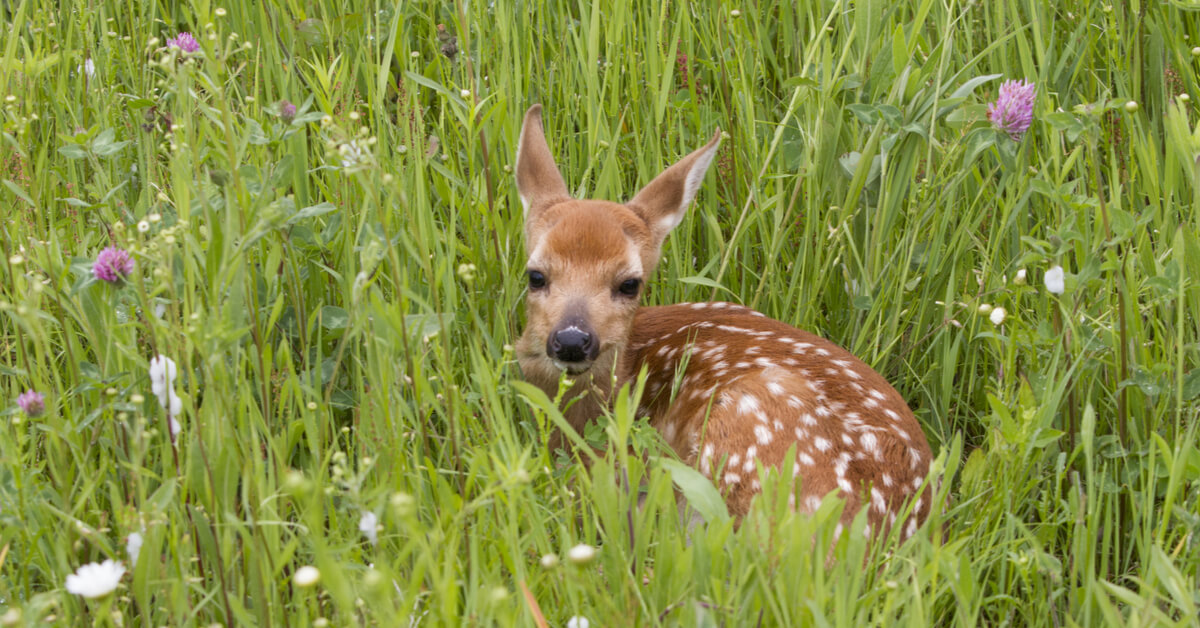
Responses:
[575,368]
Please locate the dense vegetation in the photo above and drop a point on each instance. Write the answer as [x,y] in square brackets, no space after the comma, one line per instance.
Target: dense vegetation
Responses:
[336,279]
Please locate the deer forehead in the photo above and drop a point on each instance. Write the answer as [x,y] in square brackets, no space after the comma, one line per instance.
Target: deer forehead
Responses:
[589,238]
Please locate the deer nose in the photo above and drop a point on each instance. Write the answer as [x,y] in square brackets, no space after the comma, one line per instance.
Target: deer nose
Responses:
[572,344]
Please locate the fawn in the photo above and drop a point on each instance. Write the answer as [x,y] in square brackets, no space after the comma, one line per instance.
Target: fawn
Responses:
[752,388]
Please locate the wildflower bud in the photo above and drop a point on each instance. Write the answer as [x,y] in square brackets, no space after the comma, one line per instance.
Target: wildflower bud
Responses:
[735,13]
[1184,97]
[1131,106]
[287,111]
[373,578]
[466,93]
[1196,51]
[549,561]
[402,504]
[220,12]
[415,54]
[997,316]
[16,259]
[306,576]
[581,554]
[985,308]
[578,621]
[1019,278]
[11,617]
[354,115]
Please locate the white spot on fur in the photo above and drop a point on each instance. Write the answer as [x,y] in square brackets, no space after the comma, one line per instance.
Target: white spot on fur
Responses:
[812,503]
[747,404]
[822,444]
[763,434]
[732,478]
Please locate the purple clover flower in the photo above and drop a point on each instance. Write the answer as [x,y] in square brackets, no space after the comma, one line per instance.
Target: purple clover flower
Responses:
[287,111]
[1013,110]
[113,265]
[33,404]
[184,42]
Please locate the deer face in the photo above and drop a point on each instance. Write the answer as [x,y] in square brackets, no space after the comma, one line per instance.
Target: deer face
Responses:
[586,269]
[589,260]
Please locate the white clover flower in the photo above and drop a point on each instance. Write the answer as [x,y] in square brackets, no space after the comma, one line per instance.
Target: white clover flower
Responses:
[549,561]
[466,93]
[985,308]
[133,545]
[1019,278]
[143,226]
[997,316]
[369,526]
[306,576]
[96,579]
[1055,280]
[578,621]
[581,554]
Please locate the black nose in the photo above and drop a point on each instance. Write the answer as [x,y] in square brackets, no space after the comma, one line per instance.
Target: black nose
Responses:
[572,344]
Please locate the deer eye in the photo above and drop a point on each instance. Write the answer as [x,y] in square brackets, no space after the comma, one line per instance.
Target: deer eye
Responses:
[629,287]
[536,280]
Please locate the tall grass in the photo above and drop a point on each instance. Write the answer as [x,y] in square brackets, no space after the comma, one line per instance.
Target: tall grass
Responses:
[339,291]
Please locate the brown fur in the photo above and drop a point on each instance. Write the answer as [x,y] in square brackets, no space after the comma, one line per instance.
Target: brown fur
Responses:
[729,389]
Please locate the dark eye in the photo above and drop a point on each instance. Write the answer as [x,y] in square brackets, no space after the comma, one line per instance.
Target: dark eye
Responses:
[629,287]
[536,280]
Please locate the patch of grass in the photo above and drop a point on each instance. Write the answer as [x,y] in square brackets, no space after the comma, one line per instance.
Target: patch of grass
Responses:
[338,289]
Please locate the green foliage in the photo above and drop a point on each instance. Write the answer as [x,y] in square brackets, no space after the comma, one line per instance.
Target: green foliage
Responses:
[339,286]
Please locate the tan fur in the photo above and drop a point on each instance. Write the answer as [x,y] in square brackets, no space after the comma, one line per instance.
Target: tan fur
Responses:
[729,389]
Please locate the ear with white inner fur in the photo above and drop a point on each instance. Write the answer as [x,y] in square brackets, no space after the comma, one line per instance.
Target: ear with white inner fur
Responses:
[538,180]
[664,200]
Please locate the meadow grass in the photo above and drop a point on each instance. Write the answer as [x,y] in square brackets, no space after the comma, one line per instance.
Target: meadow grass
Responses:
[339,290]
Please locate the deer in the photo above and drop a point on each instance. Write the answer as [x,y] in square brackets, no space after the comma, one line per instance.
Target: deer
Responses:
[730,390]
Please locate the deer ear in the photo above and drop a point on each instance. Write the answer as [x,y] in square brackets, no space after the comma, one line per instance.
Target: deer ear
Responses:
[538,181]
[664,200]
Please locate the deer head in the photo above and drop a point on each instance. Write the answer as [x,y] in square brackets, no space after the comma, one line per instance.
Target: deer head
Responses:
[589,259]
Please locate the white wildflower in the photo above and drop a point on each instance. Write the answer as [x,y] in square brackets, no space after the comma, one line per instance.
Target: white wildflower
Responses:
[133,545]
[96,579]
[578,621]
[581,554]
[1019,279]
[306,576]
[162,380]
[369,526]
[998,315]
[1055,280]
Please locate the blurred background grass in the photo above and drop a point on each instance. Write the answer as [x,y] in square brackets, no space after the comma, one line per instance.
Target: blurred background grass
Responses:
[339,288]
